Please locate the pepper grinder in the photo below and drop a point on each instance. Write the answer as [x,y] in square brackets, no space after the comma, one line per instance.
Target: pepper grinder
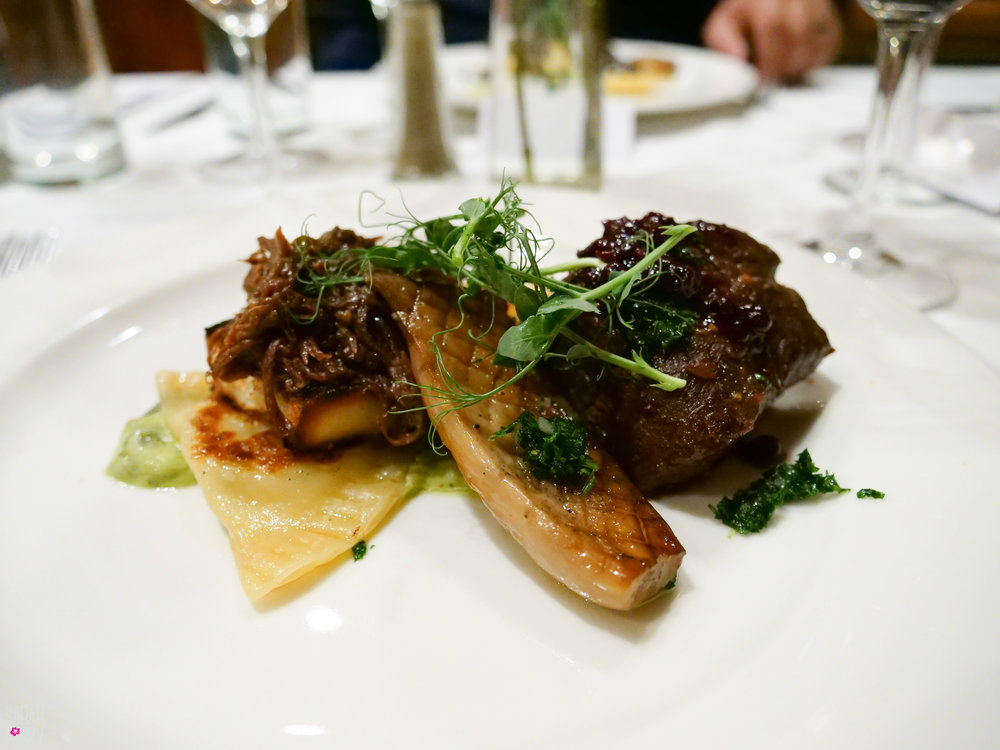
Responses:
[423,134]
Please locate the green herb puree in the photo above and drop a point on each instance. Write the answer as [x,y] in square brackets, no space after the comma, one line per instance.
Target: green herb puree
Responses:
[868,492]
[433,473]
[554,449]
[749,510]
[149,456]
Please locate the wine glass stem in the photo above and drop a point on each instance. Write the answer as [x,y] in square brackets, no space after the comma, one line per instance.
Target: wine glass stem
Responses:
[252,55]
[907,111]
[905,48]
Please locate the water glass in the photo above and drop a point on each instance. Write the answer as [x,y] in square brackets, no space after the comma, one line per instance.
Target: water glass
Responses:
[57,120]
[544,113]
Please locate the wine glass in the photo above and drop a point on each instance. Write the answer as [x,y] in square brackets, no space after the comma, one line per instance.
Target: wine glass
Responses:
[893,187]
[908,31]
[246,23]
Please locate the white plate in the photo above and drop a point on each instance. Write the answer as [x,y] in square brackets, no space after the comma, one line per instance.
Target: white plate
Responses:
[702,79]
[849,623]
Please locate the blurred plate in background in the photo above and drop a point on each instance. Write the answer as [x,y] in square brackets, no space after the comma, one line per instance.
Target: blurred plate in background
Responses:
[701,78]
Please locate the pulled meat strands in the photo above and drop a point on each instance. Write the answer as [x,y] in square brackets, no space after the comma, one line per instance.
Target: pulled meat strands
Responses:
[610,545]
[308,355]
[754,339]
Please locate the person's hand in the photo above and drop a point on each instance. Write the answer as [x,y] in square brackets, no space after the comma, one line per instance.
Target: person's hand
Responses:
[784,38]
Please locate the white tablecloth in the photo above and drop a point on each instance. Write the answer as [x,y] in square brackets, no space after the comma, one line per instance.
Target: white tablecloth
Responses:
[757,167]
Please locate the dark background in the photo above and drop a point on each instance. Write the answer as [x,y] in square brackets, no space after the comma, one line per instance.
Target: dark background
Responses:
[153,35]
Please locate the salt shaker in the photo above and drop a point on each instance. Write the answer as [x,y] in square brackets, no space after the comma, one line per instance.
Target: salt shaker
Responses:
[422,143]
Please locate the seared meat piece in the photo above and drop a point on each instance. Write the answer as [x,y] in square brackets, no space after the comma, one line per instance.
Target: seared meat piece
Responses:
[609,545]
[306,349]
[753,338]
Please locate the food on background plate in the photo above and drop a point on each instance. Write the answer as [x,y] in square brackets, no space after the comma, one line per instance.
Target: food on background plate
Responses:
[350,352]
[639,77]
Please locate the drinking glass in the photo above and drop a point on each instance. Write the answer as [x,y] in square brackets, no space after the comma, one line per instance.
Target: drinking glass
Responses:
[908,31]
[544,112]
[893,187]
[57,120]
[246,23]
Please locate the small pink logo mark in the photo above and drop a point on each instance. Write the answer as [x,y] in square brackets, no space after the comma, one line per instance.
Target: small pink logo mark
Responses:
[14,731]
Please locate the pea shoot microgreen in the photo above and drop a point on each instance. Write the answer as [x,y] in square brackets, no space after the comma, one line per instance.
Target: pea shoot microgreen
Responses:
[492,245]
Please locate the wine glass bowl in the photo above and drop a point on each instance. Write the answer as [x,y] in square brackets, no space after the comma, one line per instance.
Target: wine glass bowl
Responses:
[908,33]
[242,18]
[921,11]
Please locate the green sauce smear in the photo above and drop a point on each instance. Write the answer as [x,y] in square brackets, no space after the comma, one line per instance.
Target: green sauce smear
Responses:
[149,456]
[431,472]
[749,510]
[554,449]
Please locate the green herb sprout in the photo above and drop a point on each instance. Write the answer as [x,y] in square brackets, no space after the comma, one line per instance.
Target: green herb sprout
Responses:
[489,245]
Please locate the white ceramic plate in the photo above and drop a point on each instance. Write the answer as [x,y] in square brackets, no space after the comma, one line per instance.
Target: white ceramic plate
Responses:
[702,78]
[849,623]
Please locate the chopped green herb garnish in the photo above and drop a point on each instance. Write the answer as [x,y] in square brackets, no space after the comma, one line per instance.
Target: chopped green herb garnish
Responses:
[750,509]
[359,550]
[866,492]
[654,326]
[554,449]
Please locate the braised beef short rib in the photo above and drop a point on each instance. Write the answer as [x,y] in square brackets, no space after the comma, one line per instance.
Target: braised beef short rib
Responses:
[753,338]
